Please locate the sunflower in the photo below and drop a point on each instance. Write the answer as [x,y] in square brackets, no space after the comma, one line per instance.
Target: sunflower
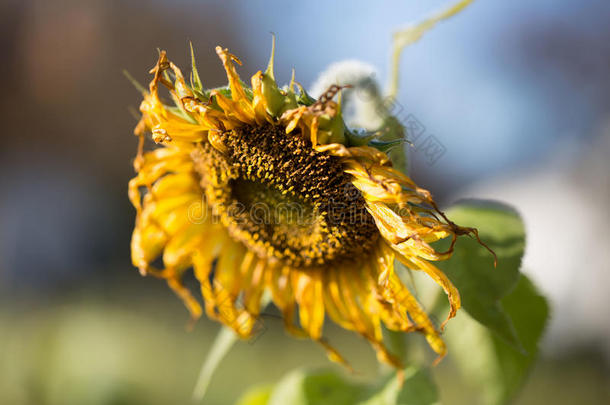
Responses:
[263,192]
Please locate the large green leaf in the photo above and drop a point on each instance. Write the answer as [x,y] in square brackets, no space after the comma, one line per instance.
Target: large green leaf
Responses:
[417,389]
[493,367]
[315,388]
[303,387]
[471,267]
[496,341]
[529,312]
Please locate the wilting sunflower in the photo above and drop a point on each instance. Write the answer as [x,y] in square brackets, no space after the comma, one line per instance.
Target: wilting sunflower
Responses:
[263,191]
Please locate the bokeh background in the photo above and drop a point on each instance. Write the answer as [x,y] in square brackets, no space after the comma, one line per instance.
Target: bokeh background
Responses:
[517,93]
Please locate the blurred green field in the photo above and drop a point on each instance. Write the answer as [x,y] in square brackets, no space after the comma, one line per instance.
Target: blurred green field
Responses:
[110,345]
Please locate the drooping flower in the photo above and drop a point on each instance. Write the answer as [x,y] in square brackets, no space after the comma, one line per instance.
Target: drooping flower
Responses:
[260,191]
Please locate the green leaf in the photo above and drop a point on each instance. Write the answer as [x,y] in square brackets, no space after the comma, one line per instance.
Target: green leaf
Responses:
[386,146]
[256,396]
[494,368]
[393,130]
[529,312]
[471,267]
[314,388]
[304,98]
[417,389]
[196,84]
[303,387]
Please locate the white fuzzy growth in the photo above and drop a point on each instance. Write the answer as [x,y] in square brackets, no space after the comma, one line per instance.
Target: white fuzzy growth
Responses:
[362,104]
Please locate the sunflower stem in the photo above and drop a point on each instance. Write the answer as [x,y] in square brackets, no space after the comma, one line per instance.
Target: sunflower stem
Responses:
[412,33]
[224,341]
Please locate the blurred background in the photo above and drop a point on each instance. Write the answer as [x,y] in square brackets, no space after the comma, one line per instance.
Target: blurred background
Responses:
[515,96]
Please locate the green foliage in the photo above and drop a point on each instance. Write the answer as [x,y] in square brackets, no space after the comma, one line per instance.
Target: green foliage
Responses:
[496,345]
[417,389]
[303,387]
[308,388]
[471,267]
[493,368]
[529,312]
[196,84]
[395,131]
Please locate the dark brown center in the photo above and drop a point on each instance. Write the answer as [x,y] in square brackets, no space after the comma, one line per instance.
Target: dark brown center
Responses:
[283,199]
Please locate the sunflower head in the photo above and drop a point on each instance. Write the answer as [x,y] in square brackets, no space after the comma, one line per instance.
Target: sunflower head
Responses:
[259,190]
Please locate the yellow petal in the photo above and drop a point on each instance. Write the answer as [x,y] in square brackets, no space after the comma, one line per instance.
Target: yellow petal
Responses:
[440,278]
[307,286]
